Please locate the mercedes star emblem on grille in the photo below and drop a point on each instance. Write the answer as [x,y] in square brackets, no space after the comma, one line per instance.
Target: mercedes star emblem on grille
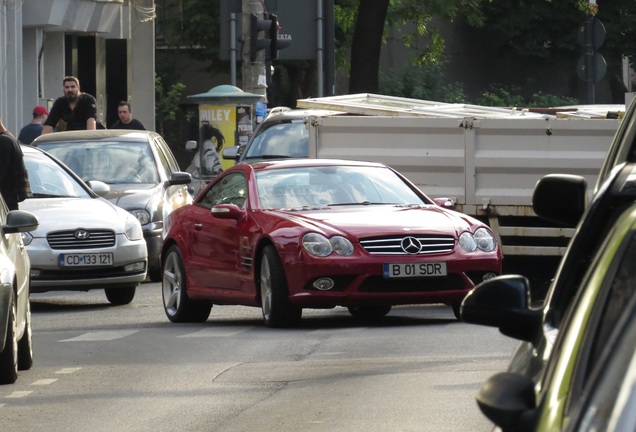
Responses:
[411,245]
[82,234]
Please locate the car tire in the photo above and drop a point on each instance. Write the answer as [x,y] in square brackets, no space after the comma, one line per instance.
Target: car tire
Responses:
[275,305]
[121,295]
[9,355]
[155,274]
[369,312]
[25,345]
[457,310]
[178,307]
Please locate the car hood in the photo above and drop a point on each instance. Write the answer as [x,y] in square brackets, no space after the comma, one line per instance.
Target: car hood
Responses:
[131,197]
[70,213]
[381,220]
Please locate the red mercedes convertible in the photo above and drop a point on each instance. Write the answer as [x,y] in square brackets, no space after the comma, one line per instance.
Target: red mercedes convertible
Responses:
[307,233]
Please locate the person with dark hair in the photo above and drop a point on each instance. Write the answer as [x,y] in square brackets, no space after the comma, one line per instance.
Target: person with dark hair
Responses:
[14,180]
[75,110]
[33,130]
[126,120]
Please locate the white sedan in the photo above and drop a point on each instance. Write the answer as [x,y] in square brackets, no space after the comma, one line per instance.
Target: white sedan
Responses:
[83,242]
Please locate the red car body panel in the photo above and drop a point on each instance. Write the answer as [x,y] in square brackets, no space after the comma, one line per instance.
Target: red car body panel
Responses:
[221,255]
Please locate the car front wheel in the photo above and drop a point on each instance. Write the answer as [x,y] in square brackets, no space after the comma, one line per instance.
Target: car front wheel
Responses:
[25,345]
[277,310]
[9,355]
[177,305]
[121,296]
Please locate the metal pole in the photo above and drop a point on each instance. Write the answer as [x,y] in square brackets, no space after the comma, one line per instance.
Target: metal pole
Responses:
[233,48]
[320,48]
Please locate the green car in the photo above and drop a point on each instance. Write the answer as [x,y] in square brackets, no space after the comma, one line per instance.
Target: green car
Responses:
[593,322]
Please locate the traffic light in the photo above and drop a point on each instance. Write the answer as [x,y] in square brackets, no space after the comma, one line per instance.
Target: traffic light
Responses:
[268,27]
[269,42]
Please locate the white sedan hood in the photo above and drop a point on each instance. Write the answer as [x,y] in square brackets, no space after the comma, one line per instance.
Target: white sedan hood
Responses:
[57,214]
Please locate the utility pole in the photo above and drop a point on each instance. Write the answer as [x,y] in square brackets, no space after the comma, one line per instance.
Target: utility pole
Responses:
[254,73]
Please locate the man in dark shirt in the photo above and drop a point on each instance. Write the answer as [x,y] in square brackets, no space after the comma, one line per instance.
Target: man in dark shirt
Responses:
[126,120]
[14,185]
[73,111]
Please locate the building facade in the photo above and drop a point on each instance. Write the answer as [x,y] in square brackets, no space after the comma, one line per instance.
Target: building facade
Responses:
[108,44]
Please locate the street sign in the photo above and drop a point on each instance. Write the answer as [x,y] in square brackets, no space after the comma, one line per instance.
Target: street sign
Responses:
[597,35]
[598,64]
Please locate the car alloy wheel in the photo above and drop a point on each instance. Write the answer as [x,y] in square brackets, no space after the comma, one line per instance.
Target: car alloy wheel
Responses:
[25,345]
[277,310]
[177,305]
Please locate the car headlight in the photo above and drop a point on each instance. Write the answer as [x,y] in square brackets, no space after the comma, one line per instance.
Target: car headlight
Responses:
[27,238]
[133,229]
[319,245]
[485,240]
[142,216]
[482,240]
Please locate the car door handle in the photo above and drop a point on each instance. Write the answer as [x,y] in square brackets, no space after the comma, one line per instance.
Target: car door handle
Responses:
[198,226]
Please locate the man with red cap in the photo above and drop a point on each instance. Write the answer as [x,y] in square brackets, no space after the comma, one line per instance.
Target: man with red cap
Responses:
[34,129]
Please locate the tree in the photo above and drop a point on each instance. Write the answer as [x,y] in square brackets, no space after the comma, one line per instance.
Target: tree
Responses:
[372,20]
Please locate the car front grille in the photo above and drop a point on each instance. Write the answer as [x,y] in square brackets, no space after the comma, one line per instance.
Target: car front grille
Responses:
[81,239]
[421,245]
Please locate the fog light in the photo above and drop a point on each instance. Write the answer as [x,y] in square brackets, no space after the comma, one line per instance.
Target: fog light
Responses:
[135,267]
[489,276]
[323,284]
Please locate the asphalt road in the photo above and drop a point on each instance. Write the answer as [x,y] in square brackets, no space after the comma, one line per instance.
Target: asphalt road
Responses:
[104,368]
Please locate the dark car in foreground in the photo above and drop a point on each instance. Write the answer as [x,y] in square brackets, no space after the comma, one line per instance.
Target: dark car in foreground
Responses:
[505,302]
[309,233]
[583,349]
[143,175]
[16,347]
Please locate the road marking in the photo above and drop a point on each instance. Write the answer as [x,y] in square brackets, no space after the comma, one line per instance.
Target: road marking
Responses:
[217,332]
[45,381]
[18,394]
[68,370]
[102,335]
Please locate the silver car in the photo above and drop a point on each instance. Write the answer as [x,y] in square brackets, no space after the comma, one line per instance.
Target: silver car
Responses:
[143,175]
[84,241]
[15,312]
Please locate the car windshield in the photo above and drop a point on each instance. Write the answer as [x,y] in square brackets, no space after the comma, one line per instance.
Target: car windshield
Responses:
[112,162]
[332,186]
[49,180]
[282,140]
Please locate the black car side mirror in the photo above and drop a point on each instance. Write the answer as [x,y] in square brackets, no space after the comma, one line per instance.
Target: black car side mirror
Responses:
[503,302]
[508,400]
[560,198]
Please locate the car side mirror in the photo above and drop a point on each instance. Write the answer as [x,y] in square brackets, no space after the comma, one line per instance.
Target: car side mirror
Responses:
[560,198]
[191,145]
[230,153]
[20,221]
[99,187]
[227,211]
[446,203]
[508,400]
[503,302]
[180,178]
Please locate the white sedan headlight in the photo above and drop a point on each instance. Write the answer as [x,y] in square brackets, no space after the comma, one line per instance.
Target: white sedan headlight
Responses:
[319,245]
[133,228]
[483,240]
